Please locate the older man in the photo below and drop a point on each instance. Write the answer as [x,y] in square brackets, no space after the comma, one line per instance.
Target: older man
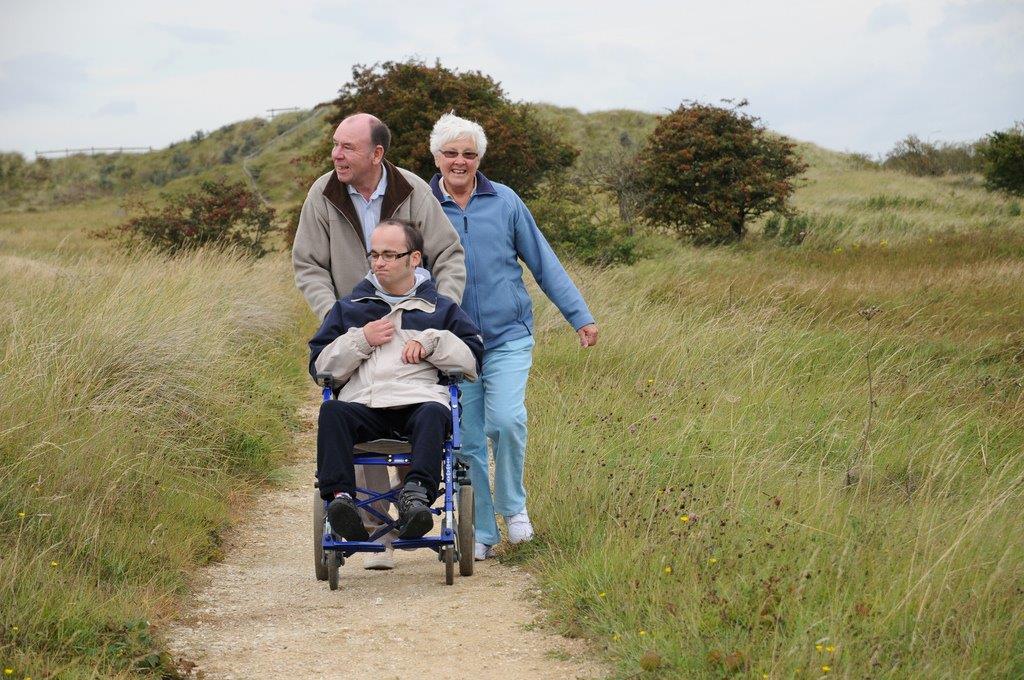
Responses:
[339,214]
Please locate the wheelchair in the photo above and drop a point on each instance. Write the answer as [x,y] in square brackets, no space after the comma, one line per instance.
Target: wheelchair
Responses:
[453,545]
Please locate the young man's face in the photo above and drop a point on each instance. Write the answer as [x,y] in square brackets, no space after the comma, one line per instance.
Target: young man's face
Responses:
[398,276]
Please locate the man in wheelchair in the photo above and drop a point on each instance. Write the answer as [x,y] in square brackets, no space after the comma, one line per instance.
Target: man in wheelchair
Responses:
[386,344]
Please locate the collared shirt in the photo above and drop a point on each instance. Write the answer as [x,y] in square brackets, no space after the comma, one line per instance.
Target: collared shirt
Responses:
[369,211]
[444,189]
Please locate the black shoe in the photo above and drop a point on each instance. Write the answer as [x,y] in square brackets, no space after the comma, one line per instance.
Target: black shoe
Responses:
[345,520]
[414,516]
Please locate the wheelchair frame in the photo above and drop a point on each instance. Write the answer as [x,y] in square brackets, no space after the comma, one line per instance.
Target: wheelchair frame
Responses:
[455,542]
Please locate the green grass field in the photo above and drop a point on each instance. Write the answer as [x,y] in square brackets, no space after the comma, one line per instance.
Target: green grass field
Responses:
[143,400]
[795,462]
[778,462]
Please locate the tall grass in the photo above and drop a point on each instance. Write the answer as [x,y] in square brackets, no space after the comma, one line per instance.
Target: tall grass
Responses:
[849,204]
[790,463]
[141,398]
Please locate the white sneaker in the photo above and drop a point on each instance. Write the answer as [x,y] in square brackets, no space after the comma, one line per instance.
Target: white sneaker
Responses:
[482,552]
[519,528]
[380,560]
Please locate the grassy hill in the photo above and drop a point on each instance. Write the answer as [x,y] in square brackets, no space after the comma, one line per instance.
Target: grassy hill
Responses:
[264,148]
[798,461]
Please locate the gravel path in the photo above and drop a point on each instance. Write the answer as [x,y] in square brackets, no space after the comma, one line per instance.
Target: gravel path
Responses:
[260,613]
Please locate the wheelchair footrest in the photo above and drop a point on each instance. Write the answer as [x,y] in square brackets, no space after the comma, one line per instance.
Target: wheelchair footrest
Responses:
[425,542]
[352,546]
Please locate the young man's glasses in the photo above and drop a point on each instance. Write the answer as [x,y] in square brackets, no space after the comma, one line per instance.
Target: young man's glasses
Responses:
[468,155]
[373,256]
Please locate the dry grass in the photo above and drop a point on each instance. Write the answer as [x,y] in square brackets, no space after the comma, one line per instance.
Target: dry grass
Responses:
[781,459]
[141,398]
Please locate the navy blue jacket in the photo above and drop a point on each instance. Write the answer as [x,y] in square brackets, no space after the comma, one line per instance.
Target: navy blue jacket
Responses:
[425,311]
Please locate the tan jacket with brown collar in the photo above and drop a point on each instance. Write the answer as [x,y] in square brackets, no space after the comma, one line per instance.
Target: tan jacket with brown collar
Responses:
[329,254]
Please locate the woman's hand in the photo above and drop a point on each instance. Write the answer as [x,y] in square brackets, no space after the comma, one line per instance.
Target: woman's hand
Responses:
[588,335]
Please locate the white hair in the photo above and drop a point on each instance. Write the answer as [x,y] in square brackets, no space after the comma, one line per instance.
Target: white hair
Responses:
[450,127]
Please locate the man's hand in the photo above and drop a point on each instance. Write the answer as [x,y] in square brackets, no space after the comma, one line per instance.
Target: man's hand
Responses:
[413,352]
[588,335]
[379,332]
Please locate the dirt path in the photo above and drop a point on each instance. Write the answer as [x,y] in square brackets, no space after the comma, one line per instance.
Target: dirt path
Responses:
[261,614]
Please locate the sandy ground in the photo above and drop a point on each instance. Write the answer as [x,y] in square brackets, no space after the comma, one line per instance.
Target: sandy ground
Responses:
[262,614]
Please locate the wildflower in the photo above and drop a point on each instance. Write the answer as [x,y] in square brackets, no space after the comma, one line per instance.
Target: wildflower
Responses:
[14,629]
[837,249]
[650,381]
[712,560]
[931,240]
[684,518]
[831,649]
[616,637]
[21,515]
[643,632]
[819,647]
[668,569]
[601,594]
[8,671]
[53,563]
[826,668]
[883,243]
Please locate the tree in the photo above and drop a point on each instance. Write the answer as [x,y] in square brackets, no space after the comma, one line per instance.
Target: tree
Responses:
[708,170]
[612,168]
[1003,154]
[410,96]
[221,214]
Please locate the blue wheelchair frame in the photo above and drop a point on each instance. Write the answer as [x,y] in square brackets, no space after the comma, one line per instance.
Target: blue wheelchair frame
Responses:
[453,474]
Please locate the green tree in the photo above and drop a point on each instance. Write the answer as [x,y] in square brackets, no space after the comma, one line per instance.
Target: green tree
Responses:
[1003,154]
[410,96]
[708,170]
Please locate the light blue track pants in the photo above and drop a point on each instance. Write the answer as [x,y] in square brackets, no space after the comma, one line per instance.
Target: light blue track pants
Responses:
[494,408]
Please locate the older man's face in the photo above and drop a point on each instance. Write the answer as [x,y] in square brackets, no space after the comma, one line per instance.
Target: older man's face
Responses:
[355,158]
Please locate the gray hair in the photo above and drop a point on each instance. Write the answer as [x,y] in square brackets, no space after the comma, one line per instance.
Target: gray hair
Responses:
[450,127]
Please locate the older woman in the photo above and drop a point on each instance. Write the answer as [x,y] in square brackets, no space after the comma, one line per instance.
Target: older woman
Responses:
[497,230]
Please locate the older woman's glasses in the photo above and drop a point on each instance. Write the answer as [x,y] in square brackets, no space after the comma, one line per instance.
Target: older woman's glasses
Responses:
[373,256]
[468,155]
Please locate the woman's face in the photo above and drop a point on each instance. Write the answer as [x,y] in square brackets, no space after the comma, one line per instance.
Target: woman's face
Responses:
[456,168]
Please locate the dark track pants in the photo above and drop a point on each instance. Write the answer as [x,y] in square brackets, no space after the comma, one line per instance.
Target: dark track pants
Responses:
[343,424]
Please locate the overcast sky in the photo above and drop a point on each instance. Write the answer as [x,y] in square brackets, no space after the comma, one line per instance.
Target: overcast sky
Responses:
[855,75]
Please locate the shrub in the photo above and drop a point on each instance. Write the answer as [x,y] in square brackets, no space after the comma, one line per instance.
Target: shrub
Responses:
[611,168]
[1003,157]
[917,157]
[707,170]
[410,96]
[228,155]
[220,214]
[572,222]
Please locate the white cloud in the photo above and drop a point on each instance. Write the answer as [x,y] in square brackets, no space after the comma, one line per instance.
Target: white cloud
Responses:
[847,75]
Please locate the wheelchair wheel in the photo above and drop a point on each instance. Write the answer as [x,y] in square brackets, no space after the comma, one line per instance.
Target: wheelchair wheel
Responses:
[449,564]
[466,533]
[334,561]
[319,565]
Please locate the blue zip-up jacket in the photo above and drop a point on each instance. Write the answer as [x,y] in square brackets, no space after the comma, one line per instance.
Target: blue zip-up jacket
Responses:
[497,230]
